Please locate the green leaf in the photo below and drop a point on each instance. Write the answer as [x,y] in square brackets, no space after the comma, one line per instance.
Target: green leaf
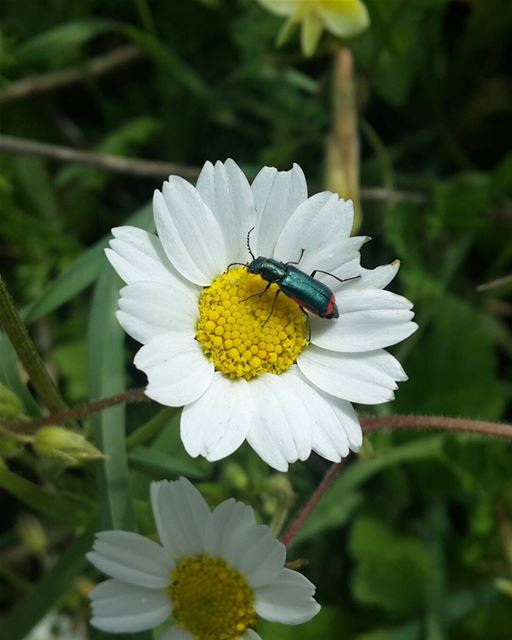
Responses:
[62,43]
[106,377]
[337,505]
[459,376]
[55,585]
[51,505]
[163,465]
[392,570]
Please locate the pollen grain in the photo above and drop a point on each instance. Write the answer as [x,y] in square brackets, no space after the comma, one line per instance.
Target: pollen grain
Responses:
[239,334]
[210,599]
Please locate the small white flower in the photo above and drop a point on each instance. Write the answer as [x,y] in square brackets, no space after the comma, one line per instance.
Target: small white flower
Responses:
[243,369]
[214,572]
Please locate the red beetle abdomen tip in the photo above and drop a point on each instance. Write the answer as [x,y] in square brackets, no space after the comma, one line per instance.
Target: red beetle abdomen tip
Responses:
[331,310]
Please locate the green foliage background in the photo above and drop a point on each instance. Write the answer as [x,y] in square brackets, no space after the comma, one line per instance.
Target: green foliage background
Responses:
[412,539]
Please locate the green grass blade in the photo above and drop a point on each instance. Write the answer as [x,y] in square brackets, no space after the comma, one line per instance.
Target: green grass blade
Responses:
[163,465]
[106,377]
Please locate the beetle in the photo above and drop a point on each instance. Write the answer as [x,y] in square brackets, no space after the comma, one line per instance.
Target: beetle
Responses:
[308,292]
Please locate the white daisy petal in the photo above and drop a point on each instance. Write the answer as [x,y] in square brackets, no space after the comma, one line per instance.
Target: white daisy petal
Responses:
[216,424]
[119,607]
[226,191]
[181,515]
[289,599]
[225,524]
[329,437]
[263,560]
[369,319]
[138,256]
[367,378]
[131,558]
[276,195]
[348,419]
[273,434]
[321,222]
[190,234]
[148,309]
[250,634]
[178,372]
[380,277]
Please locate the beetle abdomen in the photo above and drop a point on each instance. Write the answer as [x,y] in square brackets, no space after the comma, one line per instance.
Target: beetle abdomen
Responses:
[309,293]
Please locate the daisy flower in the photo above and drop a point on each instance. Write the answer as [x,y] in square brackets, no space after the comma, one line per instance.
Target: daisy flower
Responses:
[343,18]
[242,368]
[214,572]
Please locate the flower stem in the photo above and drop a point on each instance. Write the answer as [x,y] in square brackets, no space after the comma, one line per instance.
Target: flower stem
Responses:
[395,422]
[81,411]
[327,481]
[497,429]
[17,333]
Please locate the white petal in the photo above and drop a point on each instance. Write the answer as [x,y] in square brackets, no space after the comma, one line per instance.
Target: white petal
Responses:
[348,419]
[150,309]
[289,599]
[322,221]
[177,633]
[226,191]
[263,561]
[226,522]
[380,277]
[216,424]
[177,369]
[276,195]
[250,634]
[245,538]
[329,437]
[119,607]
[190,234]
[131,558]
[280,431]
[181,515]
[369,319]
[138,256]
[367,378]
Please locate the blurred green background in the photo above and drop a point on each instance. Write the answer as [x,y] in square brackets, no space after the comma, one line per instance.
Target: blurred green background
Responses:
[414,541]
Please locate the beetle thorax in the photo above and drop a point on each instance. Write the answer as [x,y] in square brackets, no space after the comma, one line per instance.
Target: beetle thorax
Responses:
[270,270]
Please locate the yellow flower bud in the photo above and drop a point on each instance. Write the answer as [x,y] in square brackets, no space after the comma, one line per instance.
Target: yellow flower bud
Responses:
[66,445]
[10,405]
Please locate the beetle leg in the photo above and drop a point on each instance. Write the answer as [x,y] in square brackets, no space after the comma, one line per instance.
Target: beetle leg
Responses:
[333,276]
[273,307]
[309,321]
[300,258]
[258,293]
[231,264]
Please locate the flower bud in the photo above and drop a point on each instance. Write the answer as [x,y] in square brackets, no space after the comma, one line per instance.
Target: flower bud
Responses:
[10,405]
[66,445]
[32,534]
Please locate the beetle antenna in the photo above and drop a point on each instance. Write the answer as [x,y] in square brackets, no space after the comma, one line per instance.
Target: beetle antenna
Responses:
[248,245]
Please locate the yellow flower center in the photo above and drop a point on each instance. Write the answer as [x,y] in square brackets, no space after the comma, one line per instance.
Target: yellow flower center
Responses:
[210,599]
[240,333]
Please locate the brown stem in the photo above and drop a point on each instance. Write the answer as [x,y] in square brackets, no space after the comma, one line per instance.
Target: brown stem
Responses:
[395,422]
[80,411]
[327,481]
[96,67]
[153,169]
[438,422]
[120,164]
